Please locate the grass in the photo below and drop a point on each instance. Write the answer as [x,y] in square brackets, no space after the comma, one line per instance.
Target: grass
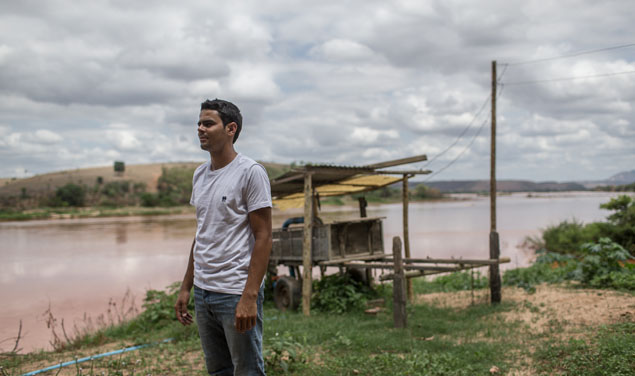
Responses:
[90,212]
[441,339]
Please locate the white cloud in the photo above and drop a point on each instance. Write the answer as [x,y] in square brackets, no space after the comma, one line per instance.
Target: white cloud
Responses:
[342,50]
[350,83]
[44,136]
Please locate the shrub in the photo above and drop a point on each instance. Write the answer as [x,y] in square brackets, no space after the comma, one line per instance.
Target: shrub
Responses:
[549,268]
[175,186]
[605,265]
[567,237]
[149,199]
[622,221]
[339,293]
[69,195]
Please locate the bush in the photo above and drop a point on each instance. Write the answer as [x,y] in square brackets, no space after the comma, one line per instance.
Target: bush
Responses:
[339,293]
[622,221]
[549,268]
[69,195]
[567,237]
[149,199]
[175,186]
[605,265]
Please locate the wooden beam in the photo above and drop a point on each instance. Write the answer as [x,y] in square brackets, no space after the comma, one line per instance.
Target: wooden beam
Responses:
[287,179]
[402,161]
[307,245]
[502,260]
[337,262]
[420,273]
[403,172]
[386,265]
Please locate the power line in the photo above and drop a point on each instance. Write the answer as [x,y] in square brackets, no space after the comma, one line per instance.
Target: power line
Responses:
[478,113]
[478,132]
[567,78]
[461,153]
[585,52]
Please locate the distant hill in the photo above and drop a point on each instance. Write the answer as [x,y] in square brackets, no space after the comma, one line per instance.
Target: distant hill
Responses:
[625,177]
[45,184]
[621,178]
[470,186]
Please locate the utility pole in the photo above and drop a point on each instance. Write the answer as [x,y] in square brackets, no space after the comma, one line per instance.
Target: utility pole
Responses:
[494,244]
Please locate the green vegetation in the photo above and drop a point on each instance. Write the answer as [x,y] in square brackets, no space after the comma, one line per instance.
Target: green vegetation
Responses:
[394,194]
[340,293]
[69,195]
[119,167]
[610,353]
[616,188]
[458,281]
[342,340]
[568,237]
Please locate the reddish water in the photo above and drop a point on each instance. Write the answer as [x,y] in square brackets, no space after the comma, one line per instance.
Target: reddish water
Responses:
[76,266]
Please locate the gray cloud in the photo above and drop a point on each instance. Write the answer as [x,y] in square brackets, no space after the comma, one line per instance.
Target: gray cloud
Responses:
[86,83]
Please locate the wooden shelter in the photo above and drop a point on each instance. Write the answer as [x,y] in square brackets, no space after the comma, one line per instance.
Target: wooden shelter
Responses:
[303,185]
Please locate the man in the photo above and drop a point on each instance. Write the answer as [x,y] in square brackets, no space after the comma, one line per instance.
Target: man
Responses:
[230,252]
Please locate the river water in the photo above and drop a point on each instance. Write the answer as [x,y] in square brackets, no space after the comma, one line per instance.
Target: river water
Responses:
[77,266]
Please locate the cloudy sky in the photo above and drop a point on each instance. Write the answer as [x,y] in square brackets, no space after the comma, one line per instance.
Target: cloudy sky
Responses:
[84,83]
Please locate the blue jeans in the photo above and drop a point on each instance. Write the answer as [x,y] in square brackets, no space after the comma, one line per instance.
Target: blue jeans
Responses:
[228,352]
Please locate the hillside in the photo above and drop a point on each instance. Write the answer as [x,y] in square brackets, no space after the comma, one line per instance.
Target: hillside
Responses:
[141,173]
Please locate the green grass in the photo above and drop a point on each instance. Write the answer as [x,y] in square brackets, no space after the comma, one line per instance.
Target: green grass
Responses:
[89,212]
[609,350]
[437,341]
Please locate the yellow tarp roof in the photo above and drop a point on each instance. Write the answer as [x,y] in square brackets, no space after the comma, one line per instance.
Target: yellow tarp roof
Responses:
[354,184]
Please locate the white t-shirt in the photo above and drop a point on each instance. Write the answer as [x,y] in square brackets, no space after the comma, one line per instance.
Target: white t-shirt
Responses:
[224,241]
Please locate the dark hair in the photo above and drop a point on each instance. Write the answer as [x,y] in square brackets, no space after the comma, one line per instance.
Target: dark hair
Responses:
[228,112]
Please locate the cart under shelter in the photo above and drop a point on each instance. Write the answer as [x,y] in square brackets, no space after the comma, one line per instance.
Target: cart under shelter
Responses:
[356,245]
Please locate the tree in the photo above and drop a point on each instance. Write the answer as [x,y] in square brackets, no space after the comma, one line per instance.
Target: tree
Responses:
[70,195]
[120,167]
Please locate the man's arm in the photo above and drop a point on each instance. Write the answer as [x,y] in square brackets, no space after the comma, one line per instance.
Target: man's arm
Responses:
[180,307]
[247,309]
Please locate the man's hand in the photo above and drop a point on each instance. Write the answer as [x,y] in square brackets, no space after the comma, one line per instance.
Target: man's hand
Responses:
[246,314]
[180,307]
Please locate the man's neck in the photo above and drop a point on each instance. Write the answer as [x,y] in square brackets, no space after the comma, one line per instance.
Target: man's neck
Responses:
[222,158]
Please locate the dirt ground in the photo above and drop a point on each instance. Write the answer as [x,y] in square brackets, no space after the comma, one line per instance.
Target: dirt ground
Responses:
[571,307]
[558,312]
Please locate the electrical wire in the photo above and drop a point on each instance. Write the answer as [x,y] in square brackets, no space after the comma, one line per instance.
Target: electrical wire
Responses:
[586,52]
[461,153]
[478,113]
[478,132]
[567,78]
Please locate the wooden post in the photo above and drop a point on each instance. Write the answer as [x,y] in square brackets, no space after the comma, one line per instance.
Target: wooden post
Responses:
[398,286]
[362,206]
[494,245]
[406,238]
[307,245]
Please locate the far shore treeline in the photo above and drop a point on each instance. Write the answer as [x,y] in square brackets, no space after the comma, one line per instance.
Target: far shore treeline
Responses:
[143,186]
[170,185]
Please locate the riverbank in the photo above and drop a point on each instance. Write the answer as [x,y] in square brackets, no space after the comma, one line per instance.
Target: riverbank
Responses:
[556,330]
[131,211]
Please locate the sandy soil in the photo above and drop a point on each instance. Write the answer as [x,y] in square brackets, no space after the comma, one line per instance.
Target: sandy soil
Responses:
[555,311]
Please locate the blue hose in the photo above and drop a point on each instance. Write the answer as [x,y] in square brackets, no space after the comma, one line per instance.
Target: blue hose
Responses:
[77,361]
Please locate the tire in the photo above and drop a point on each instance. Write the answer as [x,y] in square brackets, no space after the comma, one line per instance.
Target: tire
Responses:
[287,293]
[358,275]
